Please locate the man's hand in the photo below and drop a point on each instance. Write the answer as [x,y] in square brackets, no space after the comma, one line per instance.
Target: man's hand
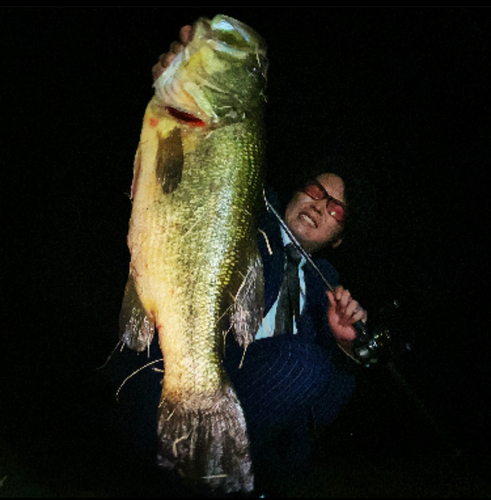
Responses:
[185,36]
[343,312]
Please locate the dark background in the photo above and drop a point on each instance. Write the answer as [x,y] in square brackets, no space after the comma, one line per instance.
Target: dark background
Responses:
[407,90]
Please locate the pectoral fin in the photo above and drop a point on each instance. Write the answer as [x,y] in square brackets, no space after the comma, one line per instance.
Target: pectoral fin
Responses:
[170,160]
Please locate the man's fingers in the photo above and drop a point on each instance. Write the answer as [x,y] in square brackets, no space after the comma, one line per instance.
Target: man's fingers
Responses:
[348,309]
[343,299]
[157,70]
[175,48]
[355,312]
[186,34]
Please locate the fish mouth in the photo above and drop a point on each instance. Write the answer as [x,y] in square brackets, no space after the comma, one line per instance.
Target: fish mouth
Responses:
[184,117]
[235,36]
[308,219]
[226,34]
[196,88]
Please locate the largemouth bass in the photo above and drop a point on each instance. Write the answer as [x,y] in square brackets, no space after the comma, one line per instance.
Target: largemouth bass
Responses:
[195,271]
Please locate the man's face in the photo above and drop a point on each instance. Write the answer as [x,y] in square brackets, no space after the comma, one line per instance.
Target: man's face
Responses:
[309,220]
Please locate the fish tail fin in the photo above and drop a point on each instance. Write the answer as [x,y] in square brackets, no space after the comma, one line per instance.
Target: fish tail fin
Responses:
[203,438]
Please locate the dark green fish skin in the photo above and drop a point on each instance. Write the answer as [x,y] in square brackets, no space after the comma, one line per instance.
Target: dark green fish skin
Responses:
[195,270]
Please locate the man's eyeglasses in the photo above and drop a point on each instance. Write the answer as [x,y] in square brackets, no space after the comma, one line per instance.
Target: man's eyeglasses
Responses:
[335,208]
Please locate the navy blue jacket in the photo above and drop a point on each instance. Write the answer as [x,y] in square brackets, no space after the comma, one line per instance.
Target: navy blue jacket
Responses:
[314,368]
[289,382]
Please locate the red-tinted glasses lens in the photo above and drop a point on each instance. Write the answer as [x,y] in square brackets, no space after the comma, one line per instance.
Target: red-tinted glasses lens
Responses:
[316,191]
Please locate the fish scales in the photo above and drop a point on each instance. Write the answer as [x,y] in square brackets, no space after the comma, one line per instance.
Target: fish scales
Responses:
[195,270]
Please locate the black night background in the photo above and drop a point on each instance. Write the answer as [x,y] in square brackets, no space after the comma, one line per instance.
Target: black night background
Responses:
[406,89]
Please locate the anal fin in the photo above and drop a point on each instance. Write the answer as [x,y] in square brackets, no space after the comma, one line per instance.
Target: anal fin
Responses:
[247,310]
[136,327]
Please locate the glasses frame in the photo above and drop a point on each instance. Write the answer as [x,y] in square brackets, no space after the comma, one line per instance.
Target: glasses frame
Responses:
[328,197]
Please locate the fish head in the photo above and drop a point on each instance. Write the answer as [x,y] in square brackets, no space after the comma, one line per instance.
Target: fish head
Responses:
[220,76]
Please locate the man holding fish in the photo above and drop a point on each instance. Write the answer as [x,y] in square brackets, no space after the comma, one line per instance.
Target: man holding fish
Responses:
[285,383]
[297,369]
